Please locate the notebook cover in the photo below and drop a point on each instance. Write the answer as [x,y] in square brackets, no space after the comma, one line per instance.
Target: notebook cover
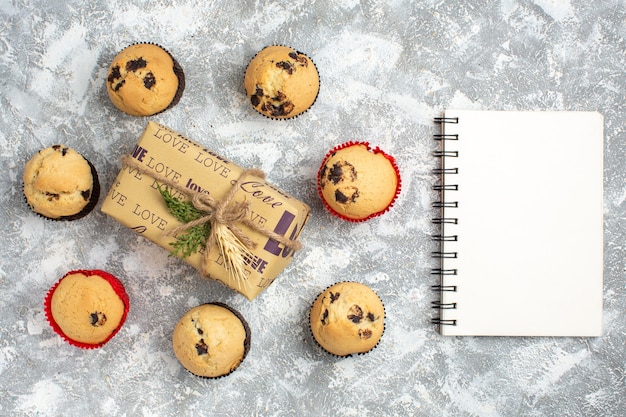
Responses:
[529,252]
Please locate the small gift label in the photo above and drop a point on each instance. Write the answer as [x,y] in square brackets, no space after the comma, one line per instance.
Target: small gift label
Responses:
[226,221]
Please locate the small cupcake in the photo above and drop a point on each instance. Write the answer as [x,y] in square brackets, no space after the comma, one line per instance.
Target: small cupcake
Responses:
[281,82]
[60,184]
[357,183]
[347,318]
[211,340]
[144,79]
[87,307]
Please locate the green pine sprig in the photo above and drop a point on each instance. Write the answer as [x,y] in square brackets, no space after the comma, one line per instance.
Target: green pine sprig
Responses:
[195,237]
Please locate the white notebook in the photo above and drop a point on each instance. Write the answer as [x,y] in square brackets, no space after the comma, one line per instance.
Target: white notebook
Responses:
[521,215]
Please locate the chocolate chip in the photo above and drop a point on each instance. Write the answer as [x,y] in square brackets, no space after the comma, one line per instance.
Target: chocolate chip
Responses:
[288,107]
[303,61]
[85,194]
[136,64]
[325,317]
[355,314]
[118,85]
[285,66]
[200,332]
[115,74]
[149,81]
[336,173]
[255,100]
[371,316]
[258,92]
[62,149]
[342,171]
[365,333]
[343,198]
[334,297]
[280,110]
[299,57]
[280,96]
[52,196]
[202,348]
[340,197]
[98,318]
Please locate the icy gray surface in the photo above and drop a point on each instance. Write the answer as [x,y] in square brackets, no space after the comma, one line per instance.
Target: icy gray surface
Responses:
[387,69]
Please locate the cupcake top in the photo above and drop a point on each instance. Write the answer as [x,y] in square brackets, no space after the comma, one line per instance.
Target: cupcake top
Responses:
[87,307]
[357,183]
[347,318]
[281,82]
[211,340]
[59,183]
[144,80]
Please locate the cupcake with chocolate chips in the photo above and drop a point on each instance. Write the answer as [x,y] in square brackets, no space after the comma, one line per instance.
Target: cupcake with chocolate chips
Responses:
[281,82]
[357,183]
[87,307]
[144,79]
[347,318]
[60,184]
[211,340]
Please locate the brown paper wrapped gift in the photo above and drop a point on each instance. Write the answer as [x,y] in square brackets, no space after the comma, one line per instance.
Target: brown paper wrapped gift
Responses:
[165,159]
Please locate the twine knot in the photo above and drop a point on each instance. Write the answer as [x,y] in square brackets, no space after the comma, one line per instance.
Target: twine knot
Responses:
[223,216]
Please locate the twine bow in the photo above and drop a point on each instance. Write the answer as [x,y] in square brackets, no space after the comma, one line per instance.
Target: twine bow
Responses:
[223,215]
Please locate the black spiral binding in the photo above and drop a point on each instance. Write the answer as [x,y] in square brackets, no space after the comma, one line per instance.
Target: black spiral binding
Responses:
[446,184]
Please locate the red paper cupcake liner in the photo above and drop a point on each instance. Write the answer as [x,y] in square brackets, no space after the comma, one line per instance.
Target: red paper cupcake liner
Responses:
[117,286]
[375,150]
